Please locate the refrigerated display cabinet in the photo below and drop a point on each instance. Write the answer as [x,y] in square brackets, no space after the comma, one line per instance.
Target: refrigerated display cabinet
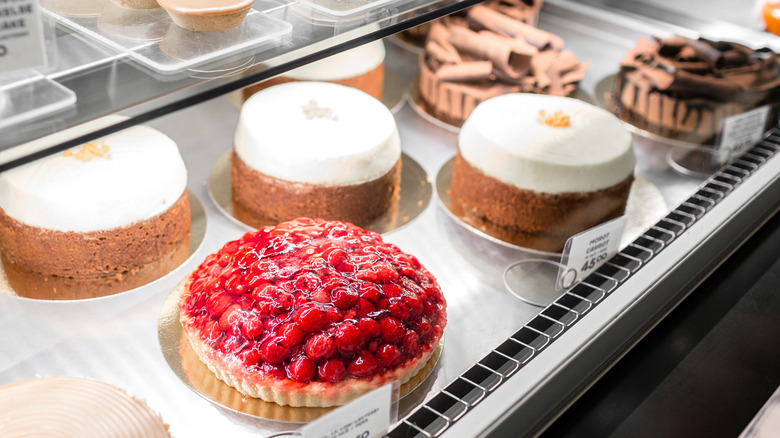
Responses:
[508,368]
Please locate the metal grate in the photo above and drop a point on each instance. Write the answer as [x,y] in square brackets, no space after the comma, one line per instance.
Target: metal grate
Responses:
[435,416]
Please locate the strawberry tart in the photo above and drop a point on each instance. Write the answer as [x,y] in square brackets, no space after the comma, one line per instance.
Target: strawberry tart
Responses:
[97,219]
[312,313]
[327,150]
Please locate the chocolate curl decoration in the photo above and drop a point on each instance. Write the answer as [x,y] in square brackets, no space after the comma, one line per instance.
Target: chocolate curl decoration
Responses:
[441,53]
[439,36]
[566,61]
[542,68]
[705,51]
[500,23]
[467,71]
[526,12]
[574,76]
[499,51]
[642,53]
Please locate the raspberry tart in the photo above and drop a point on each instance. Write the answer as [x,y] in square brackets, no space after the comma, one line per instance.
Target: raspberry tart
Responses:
[312,313]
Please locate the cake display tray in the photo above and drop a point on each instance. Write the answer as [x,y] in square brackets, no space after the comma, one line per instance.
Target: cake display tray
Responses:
[198,221]
[116,339]
[150,37]
[195,374]
[645,206]
[416,192]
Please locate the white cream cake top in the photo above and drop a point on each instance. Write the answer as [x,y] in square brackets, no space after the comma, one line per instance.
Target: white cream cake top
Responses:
[347,64]
[547,144]
[130,176]
[317,133]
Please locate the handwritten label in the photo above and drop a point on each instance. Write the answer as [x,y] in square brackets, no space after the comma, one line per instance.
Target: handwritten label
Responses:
[586,251]
[366,417]
[743,131]
[21,35]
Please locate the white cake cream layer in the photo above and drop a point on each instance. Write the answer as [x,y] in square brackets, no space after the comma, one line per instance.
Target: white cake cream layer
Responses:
[504,138]
[347,64]
[74,407]
[130,176]
[317,133]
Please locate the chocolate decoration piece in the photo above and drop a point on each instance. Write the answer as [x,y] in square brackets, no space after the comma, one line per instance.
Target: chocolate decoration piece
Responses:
[486,54]
[467,71]
[505,25]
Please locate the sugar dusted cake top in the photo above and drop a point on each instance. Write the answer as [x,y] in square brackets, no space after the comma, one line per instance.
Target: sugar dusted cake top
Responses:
[546,143]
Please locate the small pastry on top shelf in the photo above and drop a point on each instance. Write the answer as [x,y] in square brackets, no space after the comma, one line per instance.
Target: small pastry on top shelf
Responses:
[137,4]
[207,15]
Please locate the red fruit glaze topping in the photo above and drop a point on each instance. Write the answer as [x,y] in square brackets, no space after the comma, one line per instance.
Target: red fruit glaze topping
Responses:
[314,300]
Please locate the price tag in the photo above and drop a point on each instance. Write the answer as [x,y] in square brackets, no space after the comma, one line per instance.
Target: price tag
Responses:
[366,417]
[742,131]
[21,35]
[586,251]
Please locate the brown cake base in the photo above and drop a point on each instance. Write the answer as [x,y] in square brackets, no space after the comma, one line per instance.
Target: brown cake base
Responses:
[371,82]
[46,264]
[531,219]
[258,198]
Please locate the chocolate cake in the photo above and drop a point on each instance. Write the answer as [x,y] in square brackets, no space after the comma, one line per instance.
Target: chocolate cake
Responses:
[683,89]
[487,54]
[314,149]
[98,219]
[534,170]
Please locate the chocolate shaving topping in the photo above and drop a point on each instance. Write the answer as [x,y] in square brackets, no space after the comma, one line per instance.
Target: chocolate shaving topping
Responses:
[491,45]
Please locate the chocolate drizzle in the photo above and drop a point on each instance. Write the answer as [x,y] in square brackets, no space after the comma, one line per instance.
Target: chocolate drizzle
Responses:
[683,88]
[488,53]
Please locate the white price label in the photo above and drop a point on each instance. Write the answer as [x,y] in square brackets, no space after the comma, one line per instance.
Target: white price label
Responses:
[21,35]
[586,251]
[366,417]
[743,130]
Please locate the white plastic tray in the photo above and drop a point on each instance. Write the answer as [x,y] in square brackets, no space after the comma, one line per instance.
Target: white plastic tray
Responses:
[151,38]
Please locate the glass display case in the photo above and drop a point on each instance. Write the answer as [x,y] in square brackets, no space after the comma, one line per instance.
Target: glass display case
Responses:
[507,367]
